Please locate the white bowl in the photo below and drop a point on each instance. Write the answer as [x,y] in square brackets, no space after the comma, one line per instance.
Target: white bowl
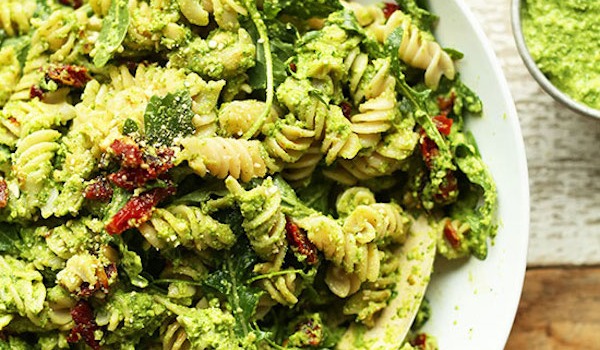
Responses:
[474,302]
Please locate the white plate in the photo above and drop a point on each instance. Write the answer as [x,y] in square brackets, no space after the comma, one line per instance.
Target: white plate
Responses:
[474,302]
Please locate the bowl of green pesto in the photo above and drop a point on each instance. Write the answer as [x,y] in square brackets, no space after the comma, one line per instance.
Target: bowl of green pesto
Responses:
[559,42]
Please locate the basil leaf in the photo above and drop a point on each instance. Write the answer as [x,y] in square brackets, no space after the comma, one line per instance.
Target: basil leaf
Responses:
[112,34]
[167,118]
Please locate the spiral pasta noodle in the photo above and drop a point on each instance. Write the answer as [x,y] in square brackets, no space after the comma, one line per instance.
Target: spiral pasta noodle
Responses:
[264,225]
[15,16]
[222,157]
[21,290]
[374,296]
[187,226]
[342,248]
[416,49]
[284,289]
[287,139]
[300,172]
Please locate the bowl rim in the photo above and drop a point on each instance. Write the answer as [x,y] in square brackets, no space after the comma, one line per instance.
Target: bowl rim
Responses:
[535,71]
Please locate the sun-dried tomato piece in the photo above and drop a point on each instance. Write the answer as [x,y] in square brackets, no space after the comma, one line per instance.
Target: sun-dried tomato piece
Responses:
[129,153]
[162,162]
[389,8]
[73,3]
[293,67]
[346,109]
[420,340]
[99,190]
[137,210]
[313,332]
[85,326]
[3,193]
[429,149]
[68,75]
[446,104]
[451,235]
[448,188]
[36,91]
[111,270]
[131,178]
[443,123]
[299,242]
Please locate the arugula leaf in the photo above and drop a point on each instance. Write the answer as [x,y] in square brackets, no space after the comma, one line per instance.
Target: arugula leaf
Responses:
[113,32]
[302,9]
[130,126]
[264,44]
[423,18]
[478,214]
[232,280]
[167,118]
[290,203]
[9,236]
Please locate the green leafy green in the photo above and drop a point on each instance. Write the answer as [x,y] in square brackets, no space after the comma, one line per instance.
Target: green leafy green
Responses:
[302,9]
[478,214]
[113,32]
[264,46]
[423,18]
[169,117]
[232,281]
[9,236]
[130,126]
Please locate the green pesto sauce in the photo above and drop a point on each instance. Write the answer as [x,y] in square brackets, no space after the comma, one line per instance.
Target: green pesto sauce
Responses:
[563,37]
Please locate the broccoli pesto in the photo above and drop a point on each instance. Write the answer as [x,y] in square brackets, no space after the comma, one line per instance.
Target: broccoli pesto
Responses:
[236,174]
[563,38]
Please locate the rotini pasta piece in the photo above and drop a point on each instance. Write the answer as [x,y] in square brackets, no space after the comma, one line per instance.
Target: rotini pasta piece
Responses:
[21,290]
[74,237]
[60,302]
[62,36]
[130,315]
[174,337]
[32,161]
[387,157]
[10,73]
[374,296]
[30,116]
[186,226]
[284,289]
[264,222]
[340,141]
[32,74]
[237,117]
[373,83]
[299,173]
[381,223]
[100,7]
[296,96]
[83,274]
[342,283]
[343,249]
[417,49]
[222,157]
[181,271]
[15,16]
[287,139]
[351,198]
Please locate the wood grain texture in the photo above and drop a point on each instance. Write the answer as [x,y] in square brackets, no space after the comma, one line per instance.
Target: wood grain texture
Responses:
[560,309]
[562,151]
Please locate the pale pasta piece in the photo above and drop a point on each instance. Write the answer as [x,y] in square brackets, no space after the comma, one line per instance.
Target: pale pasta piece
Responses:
[15,16]
[352,197]
[264,222]
[287,139]
[416,49]
[22,292]
[222,157]
[340,141]
[283,289]
[187,226]
[300,172]
[10,73]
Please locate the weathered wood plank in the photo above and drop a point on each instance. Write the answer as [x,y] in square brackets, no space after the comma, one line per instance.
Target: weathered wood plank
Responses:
[559,309]
[561,148]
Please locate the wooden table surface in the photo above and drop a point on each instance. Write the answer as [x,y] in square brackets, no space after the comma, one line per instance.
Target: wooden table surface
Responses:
[560,306]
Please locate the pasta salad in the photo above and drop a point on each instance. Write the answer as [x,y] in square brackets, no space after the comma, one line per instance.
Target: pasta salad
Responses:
[229,174]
